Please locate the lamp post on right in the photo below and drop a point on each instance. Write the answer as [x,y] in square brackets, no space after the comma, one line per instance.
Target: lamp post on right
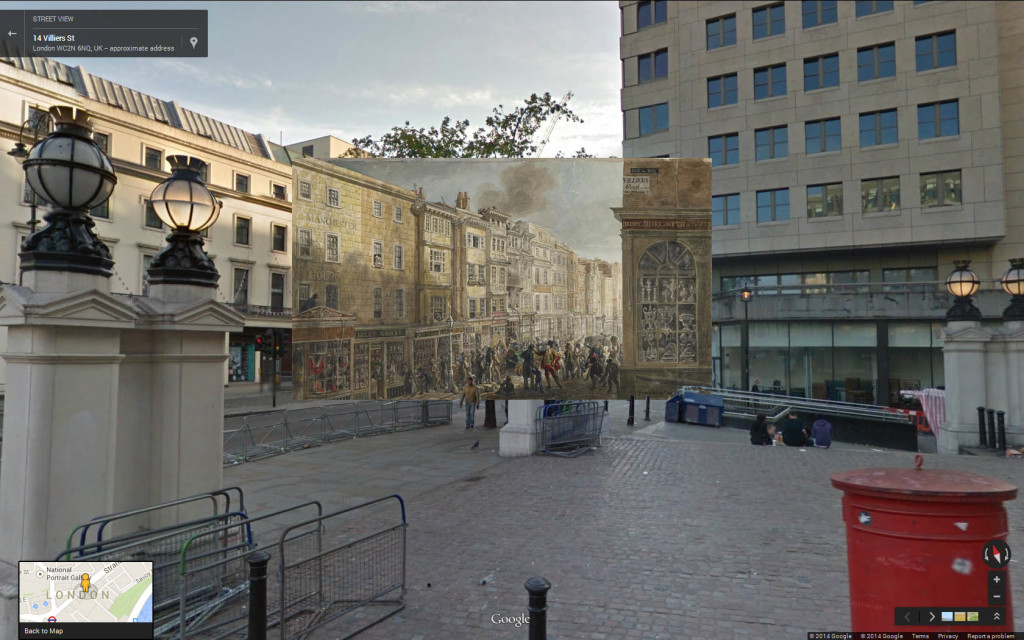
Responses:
[1013,284]
[963,283]
[745,295]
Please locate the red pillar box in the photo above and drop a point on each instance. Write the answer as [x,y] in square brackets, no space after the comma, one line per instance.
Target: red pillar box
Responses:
[916,538]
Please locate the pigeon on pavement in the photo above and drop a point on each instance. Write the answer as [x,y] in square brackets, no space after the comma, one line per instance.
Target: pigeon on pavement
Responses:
[476,445]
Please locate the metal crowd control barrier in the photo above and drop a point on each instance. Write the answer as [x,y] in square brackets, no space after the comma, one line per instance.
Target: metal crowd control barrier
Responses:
[219,503]
[747,404]
[570,428]
[352,579]
[265,434]
[212,576]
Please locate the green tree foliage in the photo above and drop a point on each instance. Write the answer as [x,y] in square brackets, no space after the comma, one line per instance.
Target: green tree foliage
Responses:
[504,134]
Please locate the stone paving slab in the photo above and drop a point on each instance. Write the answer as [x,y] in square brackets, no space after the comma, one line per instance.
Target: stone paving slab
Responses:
[695,534]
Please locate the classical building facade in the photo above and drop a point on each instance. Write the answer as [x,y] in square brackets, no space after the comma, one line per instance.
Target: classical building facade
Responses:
[251,240]
[858,149]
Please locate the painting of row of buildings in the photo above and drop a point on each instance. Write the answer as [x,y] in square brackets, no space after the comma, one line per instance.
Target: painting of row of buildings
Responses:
[393,286]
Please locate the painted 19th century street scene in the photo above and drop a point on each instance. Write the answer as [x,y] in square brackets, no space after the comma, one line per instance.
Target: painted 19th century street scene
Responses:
[562,278]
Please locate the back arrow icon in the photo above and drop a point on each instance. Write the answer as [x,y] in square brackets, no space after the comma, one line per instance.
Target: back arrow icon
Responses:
[11,33]
[907,616]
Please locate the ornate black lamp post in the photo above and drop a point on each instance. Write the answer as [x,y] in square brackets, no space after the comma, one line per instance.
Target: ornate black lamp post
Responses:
[185,204]
[963,283]
[69,171]
[1013,284]
[745,295]
[35,128]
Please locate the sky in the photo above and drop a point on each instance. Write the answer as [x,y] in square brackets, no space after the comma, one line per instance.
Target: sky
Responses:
[300,70]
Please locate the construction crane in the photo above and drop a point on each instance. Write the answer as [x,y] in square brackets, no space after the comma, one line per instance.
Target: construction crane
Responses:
[551,125]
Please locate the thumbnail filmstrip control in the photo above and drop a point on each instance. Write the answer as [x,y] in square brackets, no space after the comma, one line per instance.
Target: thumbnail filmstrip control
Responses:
[996,556]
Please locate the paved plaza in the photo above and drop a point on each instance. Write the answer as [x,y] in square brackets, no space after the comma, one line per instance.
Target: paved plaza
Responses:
[668,531]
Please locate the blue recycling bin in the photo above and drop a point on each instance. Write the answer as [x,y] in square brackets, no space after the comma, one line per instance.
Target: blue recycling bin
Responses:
[703,409]
[674,409]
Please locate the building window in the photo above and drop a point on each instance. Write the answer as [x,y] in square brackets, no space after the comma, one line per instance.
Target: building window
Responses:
[653,119]
[652,66]
[399,303]
[279,235]
[938,119]
[722,90]
[303,293]
[940,189]
[102,140]
[397,213]
[773,205]
[876,62]
[242,228]
[437,307]
[725,210]
[307,151]
[398,261]
[333,197]
[305,190]
[147,260]
[821,72]
[771,143]
[769,21]
[536,302]
[819,12]
[825,200]
[878,127]
[721,32]
[378,302]
[935,51]
[378,209]
[880,194]
[152,221]
[724,149]
[378,254]
[102,211]
[472,307]
[902,279]
[437,261]
[279,191]
[241,285]
[770,82]
[241,183]
[871,8]
[823,135]
[305,243]
[331,295]
[651,13]
[153,159]
[276,291]
[332,248]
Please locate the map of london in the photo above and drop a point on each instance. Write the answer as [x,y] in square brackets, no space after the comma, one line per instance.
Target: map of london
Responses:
[69,592]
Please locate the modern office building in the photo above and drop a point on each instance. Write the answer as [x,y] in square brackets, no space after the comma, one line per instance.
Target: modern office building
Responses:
[251,241]
[858,149]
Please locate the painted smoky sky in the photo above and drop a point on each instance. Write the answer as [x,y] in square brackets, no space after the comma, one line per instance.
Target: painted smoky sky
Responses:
[571,197]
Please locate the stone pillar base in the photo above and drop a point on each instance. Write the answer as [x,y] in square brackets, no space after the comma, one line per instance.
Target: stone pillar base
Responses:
[515,440]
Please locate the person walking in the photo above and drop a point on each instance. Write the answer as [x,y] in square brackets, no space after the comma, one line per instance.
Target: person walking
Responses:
[528,367]
[611,373]
[471,396]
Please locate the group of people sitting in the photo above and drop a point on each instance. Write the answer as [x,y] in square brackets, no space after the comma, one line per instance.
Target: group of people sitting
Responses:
[793,431]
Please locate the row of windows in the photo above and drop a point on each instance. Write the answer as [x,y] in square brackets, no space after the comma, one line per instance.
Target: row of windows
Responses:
[934,120]
[333,199]
[897,279]
[939,189]
[770,20]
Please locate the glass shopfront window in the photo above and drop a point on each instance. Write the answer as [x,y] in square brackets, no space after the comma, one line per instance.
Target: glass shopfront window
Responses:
[855,363]
[810,359]
[732,357]
[769,353]
[910,357]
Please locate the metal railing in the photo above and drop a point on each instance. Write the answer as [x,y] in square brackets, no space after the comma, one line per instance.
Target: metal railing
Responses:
[569,428]
[747,404]
[262,310]
[271,433]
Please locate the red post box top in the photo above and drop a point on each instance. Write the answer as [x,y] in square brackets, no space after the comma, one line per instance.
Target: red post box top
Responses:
[929,485]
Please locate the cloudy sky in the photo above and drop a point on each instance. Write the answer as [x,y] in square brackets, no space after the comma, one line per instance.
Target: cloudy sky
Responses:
[352,69]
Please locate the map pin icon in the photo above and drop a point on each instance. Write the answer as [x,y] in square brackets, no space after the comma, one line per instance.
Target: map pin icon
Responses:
[194,41]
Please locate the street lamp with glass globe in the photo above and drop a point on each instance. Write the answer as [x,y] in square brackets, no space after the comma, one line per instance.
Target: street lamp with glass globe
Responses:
[185,204]
[963,283]
[1013,284]
[70,172]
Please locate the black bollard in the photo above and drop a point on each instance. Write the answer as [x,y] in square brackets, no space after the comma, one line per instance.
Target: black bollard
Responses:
[491,417]
[982,439]
[258,595]
[606,406]
[424,413]
[1001,420]
[629,421]
[992,429]
[647,409]
[538,608]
